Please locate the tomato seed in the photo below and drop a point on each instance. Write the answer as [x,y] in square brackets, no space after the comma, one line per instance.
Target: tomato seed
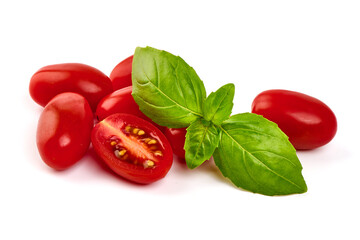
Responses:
[122,152]
[152,141]
[148,164]
[158,153]
[135,130]
[116,152]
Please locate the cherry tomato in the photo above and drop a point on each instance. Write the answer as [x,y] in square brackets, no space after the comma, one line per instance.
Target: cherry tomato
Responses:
[64,130]
[121,101]
[121,74]
[51,80]
[132,147]
[307,121]
[176,137]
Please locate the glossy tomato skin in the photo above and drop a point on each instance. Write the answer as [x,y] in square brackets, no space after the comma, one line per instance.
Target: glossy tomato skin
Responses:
[121,101]
[121,75]
[176,137]
[64,130]
[133,148]
[308,122]
[51,80]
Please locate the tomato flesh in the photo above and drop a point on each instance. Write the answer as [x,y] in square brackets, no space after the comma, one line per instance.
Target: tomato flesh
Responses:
[121,75]
[64,130]
[176,137]
[51,80]
[308,122]
[133,148]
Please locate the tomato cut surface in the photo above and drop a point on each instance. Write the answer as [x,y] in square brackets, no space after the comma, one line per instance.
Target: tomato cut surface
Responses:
[64,130]
[308,122]
[51,80]
[133,148]
[121,74]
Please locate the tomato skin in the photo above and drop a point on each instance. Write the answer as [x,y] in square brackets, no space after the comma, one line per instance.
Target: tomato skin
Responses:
[51,80]
[121,74]
[132,167]
[308,122]
[121,101]
[176,137]
[64,130]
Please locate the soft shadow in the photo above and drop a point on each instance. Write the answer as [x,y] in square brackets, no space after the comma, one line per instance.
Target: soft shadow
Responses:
[208,167]
[100,168]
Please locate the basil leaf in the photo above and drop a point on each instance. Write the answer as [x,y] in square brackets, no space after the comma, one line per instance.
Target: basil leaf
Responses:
[202,137]
[257,156]
[218,105]
[166,88]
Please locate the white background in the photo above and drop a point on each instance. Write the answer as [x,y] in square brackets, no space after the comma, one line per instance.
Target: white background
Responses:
[307,46]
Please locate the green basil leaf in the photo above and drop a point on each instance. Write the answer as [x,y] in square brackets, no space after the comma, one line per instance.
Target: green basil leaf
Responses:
[218,105]
[166,88]
[257,156]
[202,137]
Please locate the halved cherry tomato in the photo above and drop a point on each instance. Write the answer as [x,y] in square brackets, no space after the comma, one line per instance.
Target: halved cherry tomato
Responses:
[307,121]
[64,130]
[121,74]
[133,148]
[176,137]
[51,80]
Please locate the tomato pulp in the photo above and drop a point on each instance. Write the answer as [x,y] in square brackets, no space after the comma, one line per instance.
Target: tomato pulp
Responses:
[64,130]
[51,80]
[121,75]
[133,148]
[308,122]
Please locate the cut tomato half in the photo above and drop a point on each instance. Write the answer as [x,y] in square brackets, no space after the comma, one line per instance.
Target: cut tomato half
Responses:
[133,148]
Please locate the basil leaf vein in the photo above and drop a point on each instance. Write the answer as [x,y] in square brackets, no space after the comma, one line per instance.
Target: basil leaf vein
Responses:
[166,88]
[218,105]
[202,137]
[257,156]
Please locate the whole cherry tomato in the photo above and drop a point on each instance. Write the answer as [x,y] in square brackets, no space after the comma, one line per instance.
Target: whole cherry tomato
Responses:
[176,137]
[121,74]
[132,147]
[307,121]
[120,101]
[64,130]
[51,80]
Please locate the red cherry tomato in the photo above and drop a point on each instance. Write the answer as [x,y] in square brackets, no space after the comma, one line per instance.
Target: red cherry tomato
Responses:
[307,121]
[51,80]
[132,147]
[121,74]
[176,137]
[120,101]
[64,130]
